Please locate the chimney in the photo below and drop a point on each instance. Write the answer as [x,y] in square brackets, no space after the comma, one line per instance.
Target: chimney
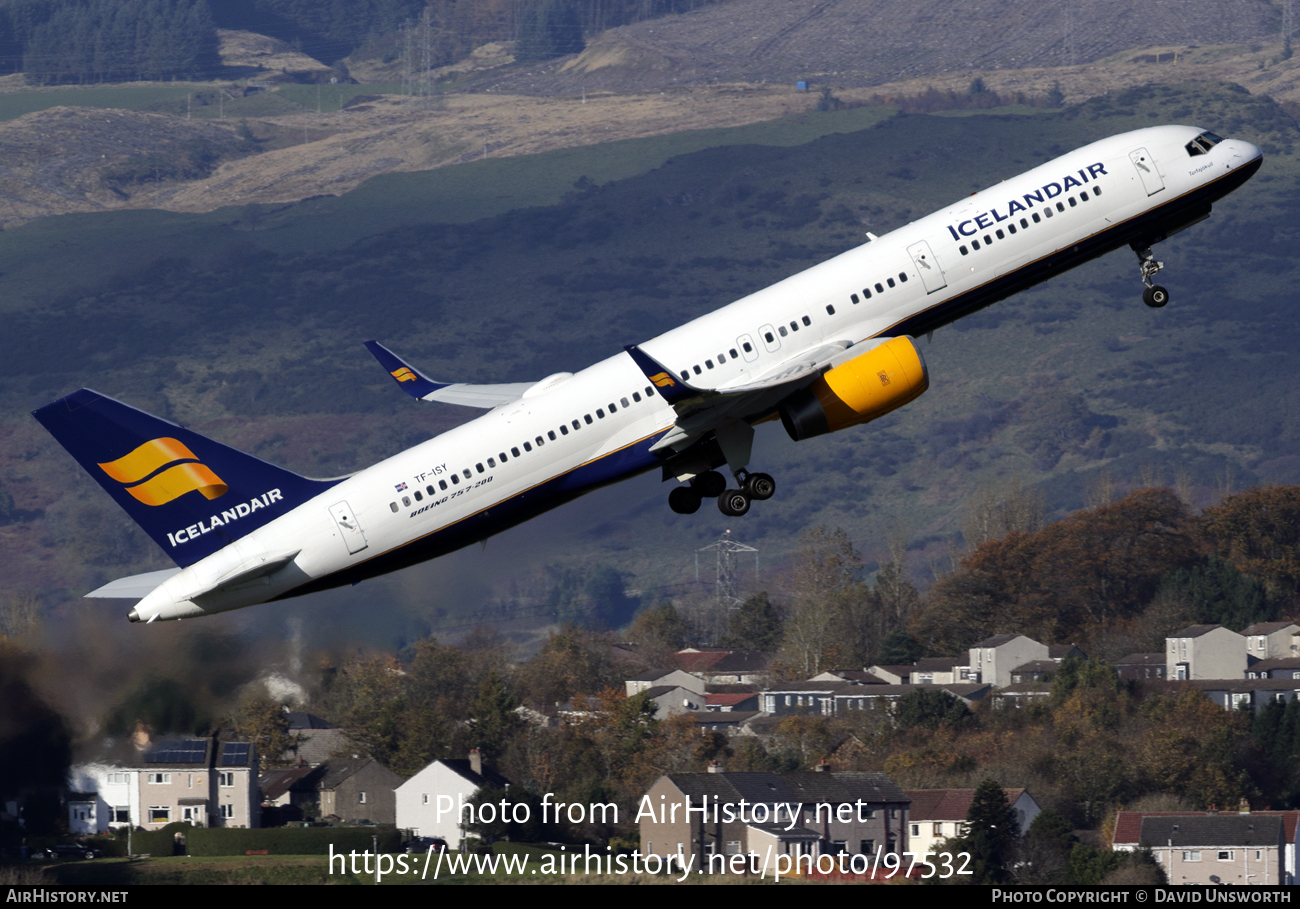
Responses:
[715,767]
[1243,807]
[476,761]
[822,766]
[140,738]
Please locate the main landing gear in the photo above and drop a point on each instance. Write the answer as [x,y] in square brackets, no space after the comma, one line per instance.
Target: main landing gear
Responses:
[1154,296]
[711,484]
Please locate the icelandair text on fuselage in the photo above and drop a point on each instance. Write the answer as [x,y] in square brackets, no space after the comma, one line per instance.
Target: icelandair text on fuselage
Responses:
[1162,895]
[243,509]
[987,219]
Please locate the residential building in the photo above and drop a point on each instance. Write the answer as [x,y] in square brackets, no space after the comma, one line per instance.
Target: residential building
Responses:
[670,700]
[1128,832]
[429,803]
[1205,652]
[1141,666]
[993,659]
[1272,640]
[726,667]
[658,677]
[809,813]
[1283,668]
[358,789]
[936,815]
[1246,848]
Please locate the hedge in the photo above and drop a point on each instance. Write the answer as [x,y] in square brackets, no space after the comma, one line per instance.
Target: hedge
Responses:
[291,840]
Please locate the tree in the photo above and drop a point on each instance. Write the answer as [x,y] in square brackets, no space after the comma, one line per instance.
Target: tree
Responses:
[263,721]
[756,625]
[899,649]
[660,627]
[992,832]
[1258,531]
[929,708]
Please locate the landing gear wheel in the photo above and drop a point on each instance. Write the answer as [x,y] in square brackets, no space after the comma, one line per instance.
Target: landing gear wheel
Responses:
[733,502]
[710,484]
[684,500]
[1155,296]
[760,486]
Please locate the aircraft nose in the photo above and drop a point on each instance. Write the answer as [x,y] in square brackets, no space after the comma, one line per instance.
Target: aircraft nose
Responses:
[1244,151]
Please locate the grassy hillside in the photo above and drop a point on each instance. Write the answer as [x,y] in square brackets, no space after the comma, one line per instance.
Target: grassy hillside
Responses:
[248,325]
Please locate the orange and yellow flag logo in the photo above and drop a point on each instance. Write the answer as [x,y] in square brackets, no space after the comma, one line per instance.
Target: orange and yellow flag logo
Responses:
[404,375]
[663,380]
[139,472]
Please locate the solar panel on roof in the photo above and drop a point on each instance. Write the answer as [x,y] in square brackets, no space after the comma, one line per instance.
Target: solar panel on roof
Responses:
[178,751]
[234,754]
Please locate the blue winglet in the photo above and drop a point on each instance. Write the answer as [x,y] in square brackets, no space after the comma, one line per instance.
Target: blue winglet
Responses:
[671,388]
[407,377]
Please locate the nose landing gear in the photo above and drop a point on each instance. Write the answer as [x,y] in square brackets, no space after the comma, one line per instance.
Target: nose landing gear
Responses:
[1154,296]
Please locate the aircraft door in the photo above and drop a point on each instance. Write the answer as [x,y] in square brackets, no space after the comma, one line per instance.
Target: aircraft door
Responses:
[349,527]
[1152,182]
[931,274]
[770,339]
[747,348]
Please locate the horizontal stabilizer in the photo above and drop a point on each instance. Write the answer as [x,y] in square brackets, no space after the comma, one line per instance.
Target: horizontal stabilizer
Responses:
[418,385]
[136,587]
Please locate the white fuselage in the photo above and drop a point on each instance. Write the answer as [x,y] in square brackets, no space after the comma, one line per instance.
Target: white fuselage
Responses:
[928,272]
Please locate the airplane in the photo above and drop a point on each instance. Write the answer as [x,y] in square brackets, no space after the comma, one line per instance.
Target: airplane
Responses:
[828,348]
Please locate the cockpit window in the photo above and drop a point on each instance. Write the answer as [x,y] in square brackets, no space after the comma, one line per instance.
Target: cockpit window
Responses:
[1202,144]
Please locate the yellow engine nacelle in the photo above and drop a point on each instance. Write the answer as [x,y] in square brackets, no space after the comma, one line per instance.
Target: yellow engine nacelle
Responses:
[882,379]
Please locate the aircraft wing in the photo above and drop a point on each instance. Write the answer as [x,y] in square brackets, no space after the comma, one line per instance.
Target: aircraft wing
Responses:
[700,410]
[420,386]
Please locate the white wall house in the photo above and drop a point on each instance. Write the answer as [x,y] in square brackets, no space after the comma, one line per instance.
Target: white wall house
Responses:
[445,784]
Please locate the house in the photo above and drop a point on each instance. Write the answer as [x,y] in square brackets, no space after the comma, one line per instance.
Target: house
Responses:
[1205,652]
[428,804]
[1245,848]
[858,676]
[142,782]
[794,698]
[316,740]
[768,814]
[849,701]
[1141,666]
[1022,694]
[357,789]
[729,722]
[727,701]
[993,659]
[1282,668]
[936,815]
[1252,694]
[655,678]
[1272,640]
[288,795]
[670,700]
[725,667]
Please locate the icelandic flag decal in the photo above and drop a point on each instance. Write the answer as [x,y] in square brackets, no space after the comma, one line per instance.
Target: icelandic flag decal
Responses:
[400,487]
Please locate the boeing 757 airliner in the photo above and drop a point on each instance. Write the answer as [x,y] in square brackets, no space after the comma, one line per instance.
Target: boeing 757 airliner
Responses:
[828,348]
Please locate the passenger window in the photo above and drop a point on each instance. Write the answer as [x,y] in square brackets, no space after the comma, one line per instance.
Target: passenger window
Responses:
[1000,234]
[468,475]
[1037,220]
[492,462]
[988,241]
[1011,227]
[1047,212]
[528,446]
[406,500]
[478,467]
[749,349]
[564,430]
[540,441]
[636,396]
[964,251]
[442,484]
[613,409]
[1083,196]
[551,435]
[889,281]
[1060,206]
[515,452]
[782,332]
[649,392]
[697,369]
[722,358]
[600,414]
[503,457]
[974,244]
[623,401]
[455,480]
[393,505]
[708,363]
[734,354]
[1096,190]
[853,297]
[1024,224]
[830,310]
[879,289]
[1072,202]
[587,417]
[419,496]
[430,490]
[794,326]
[902,277]
[577,425]
[866,293]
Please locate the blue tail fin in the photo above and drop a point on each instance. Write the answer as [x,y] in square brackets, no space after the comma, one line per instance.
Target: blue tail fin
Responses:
[192,495]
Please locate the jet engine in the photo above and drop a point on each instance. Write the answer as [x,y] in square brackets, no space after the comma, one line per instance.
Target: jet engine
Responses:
[869,386]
